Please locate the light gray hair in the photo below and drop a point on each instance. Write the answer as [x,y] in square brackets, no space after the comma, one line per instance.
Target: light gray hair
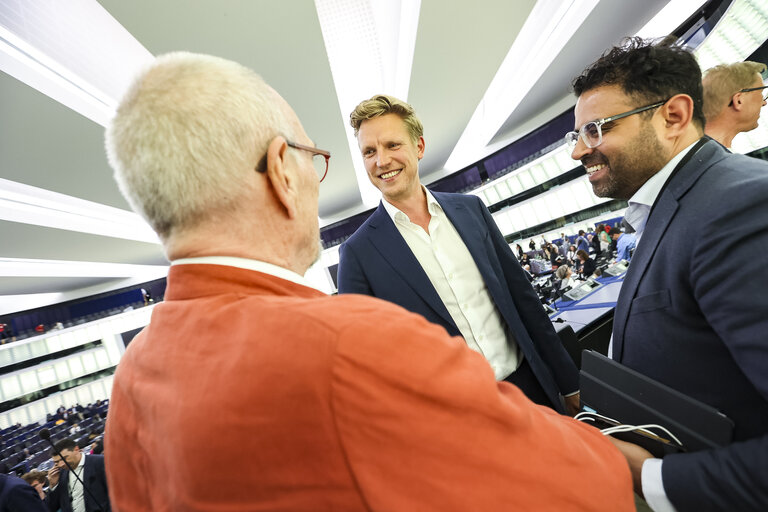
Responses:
[188,134]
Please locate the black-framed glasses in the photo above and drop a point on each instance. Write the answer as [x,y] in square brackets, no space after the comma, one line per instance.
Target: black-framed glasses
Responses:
[320,158]
[592,133]
[750,89]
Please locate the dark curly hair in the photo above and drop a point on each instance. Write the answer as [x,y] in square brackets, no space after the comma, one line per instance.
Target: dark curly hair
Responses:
[647,72]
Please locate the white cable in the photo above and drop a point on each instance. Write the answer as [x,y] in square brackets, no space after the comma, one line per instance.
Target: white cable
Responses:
[631,428]
[584,413]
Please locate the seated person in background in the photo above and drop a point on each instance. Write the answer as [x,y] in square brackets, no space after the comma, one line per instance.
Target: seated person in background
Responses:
[564,274]
[570,256]
[588,265]
[554,256]
[353,403]
[733,97]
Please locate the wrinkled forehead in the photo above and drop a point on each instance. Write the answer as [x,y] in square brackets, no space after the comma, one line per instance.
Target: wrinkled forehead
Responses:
[600,102]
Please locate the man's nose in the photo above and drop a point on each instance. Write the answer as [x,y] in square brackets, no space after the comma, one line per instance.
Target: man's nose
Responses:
[580,150]
[382,158]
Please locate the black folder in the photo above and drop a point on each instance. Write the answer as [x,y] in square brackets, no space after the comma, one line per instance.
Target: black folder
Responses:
[631,398]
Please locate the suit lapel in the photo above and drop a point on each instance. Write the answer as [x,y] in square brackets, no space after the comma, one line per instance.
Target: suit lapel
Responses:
[662,215]
[474,234]
[392,247]
[656,226]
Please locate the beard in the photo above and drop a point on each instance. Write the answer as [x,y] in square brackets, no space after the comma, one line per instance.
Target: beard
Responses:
[642,157]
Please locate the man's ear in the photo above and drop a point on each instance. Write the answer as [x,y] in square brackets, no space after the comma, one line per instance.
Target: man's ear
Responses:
[736,102]
[280,175]
[678,114]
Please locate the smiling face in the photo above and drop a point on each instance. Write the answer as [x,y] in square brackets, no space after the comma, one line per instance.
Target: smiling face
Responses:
[391,156]
[630,152]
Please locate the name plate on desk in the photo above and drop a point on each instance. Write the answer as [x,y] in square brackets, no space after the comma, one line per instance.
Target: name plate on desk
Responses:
[582,290]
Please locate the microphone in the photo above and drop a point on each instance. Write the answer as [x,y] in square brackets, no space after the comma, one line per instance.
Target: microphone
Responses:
[45,435]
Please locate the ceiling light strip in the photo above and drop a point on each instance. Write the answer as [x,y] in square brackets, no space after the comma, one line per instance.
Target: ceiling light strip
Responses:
[37,206]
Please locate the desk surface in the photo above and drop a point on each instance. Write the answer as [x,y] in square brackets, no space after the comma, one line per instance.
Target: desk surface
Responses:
[606,293]
[580,318]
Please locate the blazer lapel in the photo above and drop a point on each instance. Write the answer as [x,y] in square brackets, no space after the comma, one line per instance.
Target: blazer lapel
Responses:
[662,215]
[475,235]
[392,247]
[656,226]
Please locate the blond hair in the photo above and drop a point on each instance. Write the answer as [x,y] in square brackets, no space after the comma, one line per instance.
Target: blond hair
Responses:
[382,104]
[723,81]
[188,135]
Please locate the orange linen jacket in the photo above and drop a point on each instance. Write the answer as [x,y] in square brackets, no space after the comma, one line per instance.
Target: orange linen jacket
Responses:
[250,392]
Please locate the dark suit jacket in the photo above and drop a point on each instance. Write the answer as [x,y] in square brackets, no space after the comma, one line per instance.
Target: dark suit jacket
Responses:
[95,479]
[16,495]
[686,319]
[377,261]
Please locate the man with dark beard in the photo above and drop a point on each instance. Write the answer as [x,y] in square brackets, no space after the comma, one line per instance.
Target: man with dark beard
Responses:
[682,317]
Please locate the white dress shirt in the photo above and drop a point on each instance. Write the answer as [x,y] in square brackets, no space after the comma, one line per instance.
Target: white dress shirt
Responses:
[636,216]
[76,492]
[248,264]
[454,275]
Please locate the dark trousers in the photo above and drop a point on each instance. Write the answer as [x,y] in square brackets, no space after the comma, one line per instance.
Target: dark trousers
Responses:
[524,379]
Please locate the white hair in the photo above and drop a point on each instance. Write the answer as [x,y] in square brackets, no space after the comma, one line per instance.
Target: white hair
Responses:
[187,136]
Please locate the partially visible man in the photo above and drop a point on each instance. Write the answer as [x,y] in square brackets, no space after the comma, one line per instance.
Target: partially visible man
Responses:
[332,403]
[733,97]
[683,317]
[582,244]
[37,479]
[625,243]
[16,495]
[442,256]
[66,491]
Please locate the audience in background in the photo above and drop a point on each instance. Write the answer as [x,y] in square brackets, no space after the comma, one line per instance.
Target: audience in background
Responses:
[564,275]
[602,232]
[594,243]
[625,244]
[582,244]
[587,264]
[733,96]
[570,256]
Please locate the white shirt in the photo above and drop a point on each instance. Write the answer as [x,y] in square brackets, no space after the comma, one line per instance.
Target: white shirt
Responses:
[248,264]
[453,273]
[637,215]
[76,488]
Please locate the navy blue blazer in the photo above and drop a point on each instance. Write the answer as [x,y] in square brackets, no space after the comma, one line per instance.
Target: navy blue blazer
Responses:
[693,314]
[377,261]
[95,478]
